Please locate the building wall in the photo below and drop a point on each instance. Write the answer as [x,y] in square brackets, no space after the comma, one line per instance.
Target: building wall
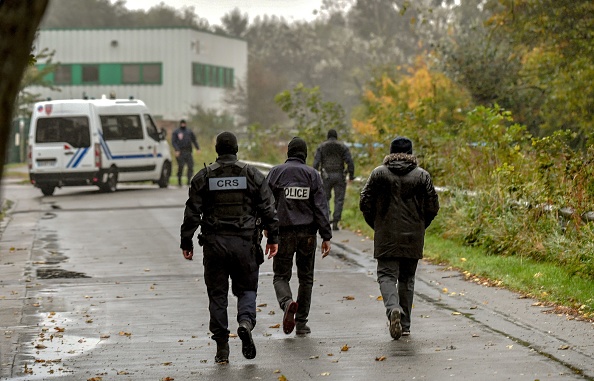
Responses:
[176,49]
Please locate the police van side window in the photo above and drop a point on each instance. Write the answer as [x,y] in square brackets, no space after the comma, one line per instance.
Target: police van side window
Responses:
[151,128]
[71,130]
[121,127]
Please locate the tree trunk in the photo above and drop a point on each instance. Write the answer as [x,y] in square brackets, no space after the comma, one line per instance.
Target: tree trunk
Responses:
[19,20]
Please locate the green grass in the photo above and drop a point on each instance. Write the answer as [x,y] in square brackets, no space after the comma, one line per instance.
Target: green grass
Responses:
[543,281]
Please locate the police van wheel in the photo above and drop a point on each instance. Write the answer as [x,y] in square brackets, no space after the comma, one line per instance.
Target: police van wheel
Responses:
[165,175]
[48,190]
[111,182]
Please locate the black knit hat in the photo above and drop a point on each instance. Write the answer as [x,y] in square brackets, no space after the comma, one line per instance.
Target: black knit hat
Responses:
[401,145]
[332,134]
[183,121]
[226,143]
[297,148]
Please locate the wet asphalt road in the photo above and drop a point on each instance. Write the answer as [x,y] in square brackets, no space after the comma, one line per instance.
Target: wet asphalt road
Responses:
[94,287]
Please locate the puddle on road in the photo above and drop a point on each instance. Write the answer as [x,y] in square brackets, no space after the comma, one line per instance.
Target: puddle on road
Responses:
[48,255]
[53,346]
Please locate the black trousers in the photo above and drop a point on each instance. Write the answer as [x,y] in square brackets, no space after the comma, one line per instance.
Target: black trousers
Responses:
[185,159]
[302,246]
[229,257]
[335,181]
[396,278]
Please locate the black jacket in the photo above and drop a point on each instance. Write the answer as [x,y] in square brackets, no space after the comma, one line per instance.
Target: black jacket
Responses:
[399,202]
[332,156]
[300,199]
[257,193]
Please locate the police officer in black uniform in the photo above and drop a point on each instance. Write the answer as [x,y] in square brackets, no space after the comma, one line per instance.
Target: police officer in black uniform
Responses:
[331,158]
[302,212]
[182,141]
[228,200]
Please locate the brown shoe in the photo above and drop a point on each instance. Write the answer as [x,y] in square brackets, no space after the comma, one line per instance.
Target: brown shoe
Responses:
[395,327]
[289,316]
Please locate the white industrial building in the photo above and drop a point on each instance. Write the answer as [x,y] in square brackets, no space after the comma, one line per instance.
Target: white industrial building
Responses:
[170,69]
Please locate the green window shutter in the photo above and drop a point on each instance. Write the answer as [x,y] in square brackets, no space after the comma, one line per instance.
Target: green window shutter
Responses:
[110,74]
[76,74]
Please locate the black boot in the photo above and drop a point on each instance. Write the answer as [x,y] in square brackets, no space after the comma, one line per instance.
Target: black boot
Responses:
[179,181]
[222,356]
[335,225]
[247,343]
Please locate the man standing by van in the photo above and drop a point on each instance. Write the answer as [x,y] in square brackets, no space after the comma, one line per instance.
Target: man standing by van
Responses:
[182,141]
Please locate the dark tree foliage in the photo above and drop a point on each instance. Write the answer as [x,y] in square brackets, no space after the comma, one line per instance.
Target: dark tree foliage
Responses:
[18,24]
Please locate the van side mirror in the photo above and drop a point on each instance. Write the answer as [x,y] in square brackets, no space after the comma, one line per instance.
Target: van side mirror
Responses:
[163,134]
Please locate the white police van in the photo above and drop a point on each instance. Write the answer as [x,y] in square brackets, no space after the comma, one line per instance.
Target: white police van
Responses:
[95,142]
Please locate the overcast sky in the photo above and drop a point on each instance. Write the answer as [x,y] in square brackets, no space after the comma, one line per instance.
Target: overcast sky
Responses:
[214,10]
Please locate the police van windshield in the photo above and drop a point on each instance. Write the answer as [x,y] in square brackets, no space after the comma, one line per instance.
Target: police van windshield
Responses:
[73,130]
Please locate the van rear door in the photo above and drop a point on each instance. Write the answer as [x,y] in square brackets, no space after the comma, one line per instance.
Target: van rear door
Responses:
[62,144]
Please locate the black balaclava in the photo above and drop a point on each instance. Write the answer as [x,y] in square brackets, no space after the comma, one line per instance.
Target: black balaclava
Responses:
[297,148]
[226,143]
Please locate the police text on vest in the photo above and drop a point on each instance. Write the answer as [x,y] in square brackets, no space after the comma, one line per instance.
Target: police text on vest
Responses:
[297,193]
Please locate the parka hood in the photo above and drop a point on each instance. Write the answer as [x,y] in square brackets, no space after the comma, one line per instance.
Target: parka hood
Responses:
[400,163]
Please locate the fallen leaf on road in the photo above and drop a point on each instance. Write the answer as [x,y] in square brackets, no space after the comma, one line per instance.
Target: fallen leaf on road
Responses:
[282,378]
[345,348]
[380,298]
[167,363]
[325,374]
[122,333]
[314,357]
[40,346]
[564,347]
[95,379]
[456,313]
[167,379]
[444,290]
[275,326]
[262,305]
[271,313]
[349,297]
[232,335]
[381,358]
[276,371]
[58,329]
[104,336]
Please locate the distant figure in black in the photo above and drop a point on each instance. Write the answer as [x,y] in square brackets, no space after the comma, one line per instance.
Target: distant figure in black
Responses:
[182,141]
[330,159]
